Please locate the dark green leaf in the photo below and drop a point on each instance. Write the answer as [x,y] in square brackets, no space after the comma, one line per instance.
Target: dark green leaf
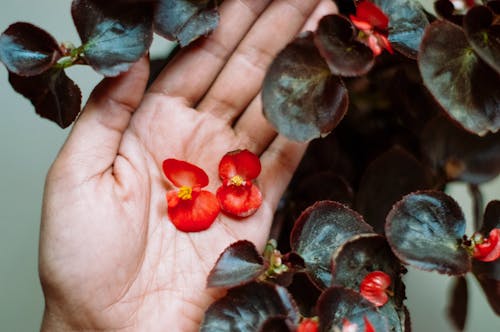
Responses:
[361,255]
[27,50]
[300,97]
[54,95]
[114,36]
[488,275]
[396,317]
[246,308]
[425,230]
[335,39]
[405,175]
[459,154]
[238,264]
[338,304]
[320,186]
[346,7]
[460,81]
[445,9]
[414,105]
[483,35]
[407,22]
[305,293]
[319,231]
[457,304]
[491,217]
[477,205]
[185,20]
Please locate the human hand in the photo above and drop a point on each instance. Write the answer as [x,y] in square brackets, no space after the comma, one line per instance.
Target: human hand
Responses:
[109,257]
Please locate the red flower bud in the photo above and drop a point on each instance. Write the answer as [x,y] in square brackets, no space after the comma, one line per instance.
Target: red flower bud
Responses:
[374,286]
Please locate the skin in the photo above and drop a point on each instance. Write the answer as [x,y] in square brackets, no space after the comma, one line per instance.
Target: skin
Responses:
[110,260]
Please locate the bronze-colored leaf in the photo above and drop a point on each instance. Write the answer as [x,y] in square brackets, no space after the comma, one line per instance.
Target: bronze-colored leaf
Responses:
[301,98]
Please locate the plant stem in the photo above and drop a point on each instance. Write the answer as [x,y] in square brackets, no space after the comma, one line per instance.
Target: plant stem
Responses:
[477,205]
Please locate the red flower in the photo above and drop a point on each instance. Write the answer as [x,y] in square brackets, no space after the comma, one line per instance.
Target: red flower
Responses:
[374,286]
[373,24]
[487,249]
[237,195]
[190,208]
[308,325]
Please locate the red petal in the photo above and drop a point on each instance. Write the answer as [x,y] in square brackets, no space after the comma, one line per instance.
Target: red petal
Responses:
[373,44]
[368,325]
[489,250]
[384,42]
[360,24]
[193,215]
[239,201]
[373,287]
[239,162]
[182,173]
[368,12]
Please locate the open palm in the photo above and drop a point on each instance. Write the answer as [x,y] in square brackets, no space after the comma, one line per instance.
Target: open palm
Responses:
[109,257]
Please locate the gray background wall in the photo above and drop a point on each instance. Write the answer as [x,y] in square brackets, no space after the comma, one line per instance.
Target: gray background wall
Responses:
[28,145]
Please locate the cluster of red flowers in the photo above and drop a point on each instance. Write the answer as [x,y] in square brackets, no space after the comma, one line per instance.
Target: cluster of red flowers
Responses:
[192,209]
[374,288]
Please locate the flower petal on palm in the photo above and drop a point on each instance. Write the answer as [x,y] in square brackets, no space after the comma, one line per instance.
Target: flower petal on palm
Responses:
[182,173]
[239,162]
[195,215]
[239,201]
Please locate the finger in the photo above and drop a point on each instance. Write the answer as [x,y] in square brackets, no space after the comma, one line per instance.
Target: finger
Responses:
[253,129]
[279,163]
[245,70]
[252,126]
[194,69]
[325,7]
[93,143]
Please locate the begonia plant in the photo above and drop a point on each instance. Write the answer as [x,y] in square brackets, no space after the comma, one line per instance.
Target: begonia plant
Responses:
[396,102]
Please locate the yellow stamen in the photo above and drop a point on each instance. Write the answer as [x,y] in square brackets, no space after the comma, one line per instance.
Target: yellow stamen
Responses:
[237,180]
[185,192]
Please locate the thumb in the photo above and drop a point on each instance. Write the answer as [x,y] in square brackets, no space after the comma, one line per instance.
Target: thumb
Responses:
[93,143]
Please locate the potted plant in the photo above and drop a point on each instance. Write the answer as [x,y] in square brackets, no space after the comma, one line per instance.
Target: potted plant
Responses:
[397,103]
